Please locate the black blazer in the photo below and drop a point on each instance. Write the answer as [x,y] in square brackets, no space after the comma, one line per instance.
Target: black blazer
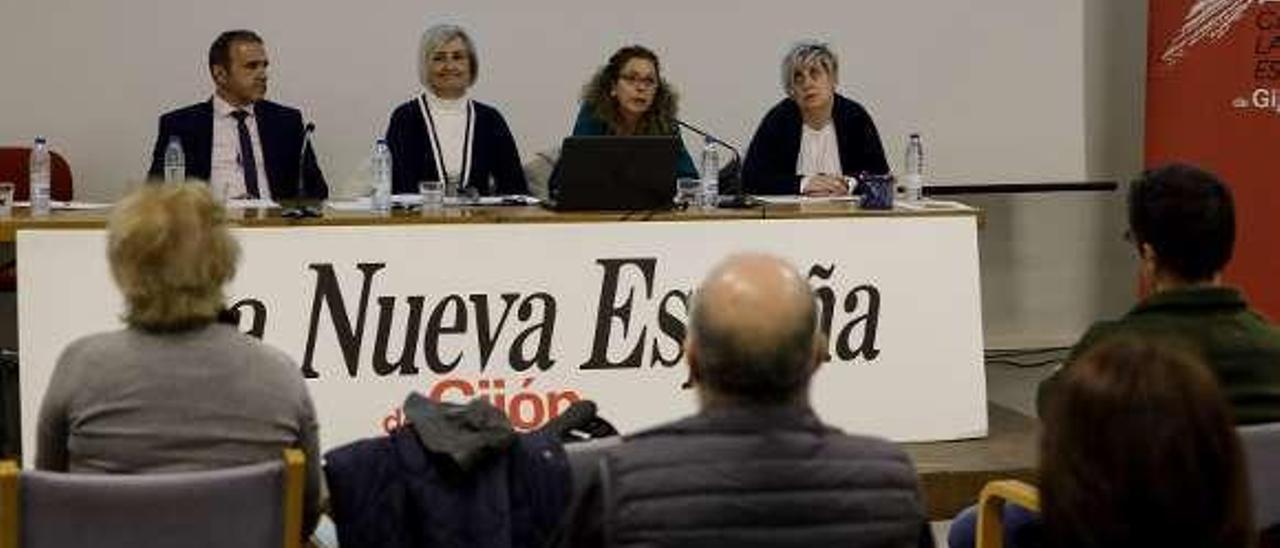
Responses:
[279,129]
[770,166]
[493,154]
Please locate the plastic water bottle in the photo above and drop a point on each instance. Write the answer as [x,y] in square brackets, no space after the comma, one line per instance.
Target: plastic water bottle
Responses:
[710,174]
[381,201]
[175,162]
[40,190]
[913,170]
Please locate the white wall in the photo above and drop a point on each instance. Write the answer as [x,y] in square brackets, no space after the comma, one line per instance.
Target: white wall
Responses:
[994,85]
[1003,90]
[1053,263]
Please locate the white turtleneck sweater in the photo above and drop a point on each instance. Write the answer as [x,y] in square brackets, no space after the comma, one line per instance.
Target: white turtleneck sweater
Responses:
[450,118]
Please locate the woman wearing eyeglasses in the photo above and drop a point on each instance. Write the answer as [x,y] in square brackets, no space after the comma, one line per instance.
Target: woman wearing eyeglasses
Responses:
[628,96]
[442,135]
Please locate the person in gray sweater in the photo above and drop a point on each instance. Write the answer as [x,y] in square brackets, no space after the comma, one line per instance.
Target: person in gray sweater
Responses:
[177,389]
[755,466]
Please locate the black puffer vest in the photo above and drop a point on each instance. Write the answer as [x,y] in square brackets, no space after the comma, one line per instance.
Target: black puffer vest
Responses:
[760,477]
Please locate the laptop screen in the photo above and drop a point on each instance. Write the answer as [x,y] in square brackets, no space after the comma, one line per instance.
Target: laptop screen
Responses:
[609,172]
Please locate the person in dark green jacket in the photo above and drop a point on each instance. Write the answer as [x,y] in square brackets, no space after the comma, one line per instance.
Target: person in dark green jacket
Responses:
[629,96]
[1182,220]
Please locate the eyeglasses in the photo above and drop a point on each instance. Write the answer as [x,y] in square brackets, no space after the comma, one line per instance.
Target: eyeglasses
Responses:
[638,81]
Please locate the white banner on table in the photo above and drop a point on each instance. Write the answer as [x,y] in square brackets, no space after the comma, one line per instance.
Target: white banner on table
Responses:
[535,316]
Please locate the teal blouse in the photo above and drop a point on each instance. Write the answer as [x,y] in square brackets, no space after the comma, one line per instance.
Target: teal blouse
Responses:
[588,124]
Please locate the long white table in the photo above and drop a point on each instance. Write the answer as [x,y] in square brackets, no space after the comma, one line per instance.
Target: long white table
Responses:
[533,309]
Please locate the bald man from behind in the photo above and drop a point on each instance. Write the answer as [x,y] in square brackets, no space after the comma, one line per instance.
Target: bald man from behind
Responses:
[755,466]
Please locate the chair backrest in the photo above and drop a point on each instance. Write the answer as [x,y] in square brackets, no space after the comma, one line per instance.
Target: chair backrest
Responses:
[991,502]
[1262,458]
[584,459]
[15,167]
[537,172]
[1261,445]
[8,504]
[253,505]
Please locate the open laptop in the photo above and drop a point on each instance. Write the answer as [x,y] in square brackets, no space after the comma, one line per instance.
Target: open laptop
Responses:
[632,173]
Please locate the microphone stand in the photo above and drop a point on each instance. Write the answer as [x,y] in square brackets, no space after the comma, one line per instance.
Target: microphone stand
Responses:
[300,208]
[739,200]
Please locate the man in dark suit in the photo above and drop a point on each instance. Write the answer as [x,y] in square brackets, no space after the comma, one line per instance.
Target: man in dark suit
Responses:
[242,144]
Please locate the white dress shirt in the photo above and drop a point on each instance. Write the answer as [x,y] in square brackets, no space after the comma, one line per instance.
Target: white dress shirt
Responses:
[819,153]
[225,171]
[450,119]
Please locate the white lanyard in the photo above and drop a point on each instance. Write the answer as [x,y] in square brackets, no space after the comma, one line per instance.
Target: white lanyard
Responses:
[434,141]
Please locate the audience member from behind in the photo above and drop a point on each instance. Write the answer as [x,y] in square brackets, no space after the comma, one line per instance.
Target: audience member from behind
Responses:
[241,143]
[442,134]
[1139,449]
[178,389]
[815,141]
[755,466]
[629,96]
[1182,221]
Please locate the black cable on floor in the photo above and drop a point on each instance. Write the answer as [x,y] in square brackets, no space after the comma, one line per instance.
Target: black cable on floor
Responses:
[1026,357]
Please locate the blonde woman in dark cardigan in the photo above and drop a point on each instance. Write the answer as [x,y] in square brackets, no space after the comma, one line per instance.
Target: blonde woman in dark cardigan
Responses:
[441,134]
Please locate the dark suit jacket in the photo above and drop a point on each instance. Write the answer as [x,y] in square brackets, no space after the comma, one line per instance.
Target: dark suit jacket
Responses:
[770,166]
[493,153]
[279,129]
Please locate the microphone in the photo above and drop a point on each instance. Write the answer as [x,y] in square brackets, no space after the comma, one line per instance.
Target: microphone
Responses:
[731,173]
[300,209]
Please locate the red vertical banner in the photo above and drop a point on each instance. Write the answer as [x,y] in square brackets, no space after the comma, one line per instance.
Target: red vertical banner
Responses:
[1213,99]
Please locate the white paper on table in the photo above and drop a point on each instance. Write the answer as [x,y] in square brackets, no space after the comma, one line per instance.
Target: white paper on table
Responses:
[801,199]
[69,206]
[930,205]
[81,206]
[251,203]
[413,200]
[355,204]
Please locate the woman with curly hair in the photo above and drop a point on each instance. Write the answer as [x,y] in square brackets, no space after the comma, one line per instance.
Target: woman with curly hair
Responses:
[628,96]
